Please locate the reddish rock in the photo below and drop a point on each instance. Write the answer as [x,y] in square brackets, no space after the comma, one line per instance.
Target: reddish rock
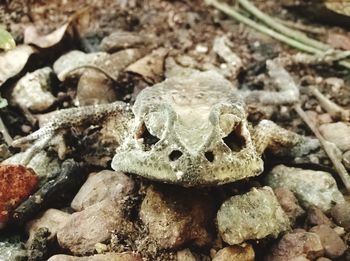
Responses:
[16,184]
[316,217]
[100,257]
[289,203]
[341,215]
[333,245]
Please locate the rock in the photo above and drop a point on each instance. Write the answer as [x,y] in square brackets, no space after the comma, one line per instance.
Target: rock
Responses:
[289,203]
[16,184]
[341,137]
[52,219]
[346,159]
[185,255]
[92,225]
[102,185]
[44,166]
[12,248]
[323,259]
[235,253]
[299,245]
[312,188]
[100,257]
[315,217]
[333,245]
[32,91]
[38,246]
[175,216]
[256,214]
[341,214]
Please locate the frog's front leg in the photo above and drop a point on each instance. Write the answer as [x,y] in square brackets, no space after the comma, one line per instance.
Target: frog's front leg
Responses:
[74,117]
[269,136]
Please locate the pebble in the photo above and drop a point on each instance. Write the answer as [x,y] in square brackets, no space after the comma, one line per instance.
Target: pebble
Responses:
[315,217]
[340,137]
[341,214]
[185,255]
[254,215]
[99,257]
[333,245]
[102,185]
[235,253]
[300,245]
[312,188]
[84,229]
[175,216]
[289,203]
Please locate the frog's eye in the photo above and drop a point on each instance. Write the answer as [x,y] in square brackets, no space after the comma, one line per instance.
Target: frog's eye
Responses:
[232,128]
[152,129]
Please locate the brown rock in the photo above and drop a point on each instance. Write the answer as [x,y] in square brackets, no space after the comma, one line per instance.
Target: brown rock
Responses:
[185,255]
[289,203]
[16,184]
[52,219]
[176,216]
[235,253]
[92,225]
[102,185]
[297,246]
[333,245]
[323,259]
[100,257]
[315,217]
[341,215]
[340,137]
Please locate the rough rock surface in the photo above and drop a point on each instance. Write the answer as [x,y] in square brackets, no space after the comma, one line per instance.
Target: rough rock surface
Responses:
[92,225]
[315,217]
[333,245]
[102,185]
[341,214]
[52,219]
[253,215]
[341,137]
[100,257]
[289,203]
[177,216]
[235,253]
[185,255]
[312,188]
[299,245]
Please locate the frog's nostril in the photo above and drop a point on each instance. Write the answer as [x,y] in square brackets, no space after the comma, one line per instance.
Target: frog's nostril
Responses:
[175,154]
[209,155]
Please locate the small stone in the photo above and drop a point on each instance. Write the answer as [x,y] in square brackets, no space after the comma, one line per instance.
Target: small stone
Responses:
[12,248]
[346,159]
[333,245]
[340,137]
[289,203]
[93,225]
[16,184]
[324,118]
[323,259]
[177,216]
[99,257]
[315,217]
[185,255]
[256,215]
[52,219]
[102,185]
[235,253]
[32,91]
[299,245]
[312,188]
[341,214]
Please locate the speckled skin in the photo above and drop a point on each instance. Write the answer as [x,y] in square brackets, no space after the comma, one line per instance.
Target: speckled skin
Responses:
[187,130]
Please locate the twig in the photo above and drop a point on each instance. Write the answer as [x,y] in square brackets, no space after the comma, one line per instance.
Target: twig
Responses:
[302,27]
[5,133]
[330,148]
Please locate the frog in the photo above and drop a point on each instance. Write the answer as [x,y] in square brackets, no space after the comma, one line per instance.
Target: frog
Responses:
[190,130]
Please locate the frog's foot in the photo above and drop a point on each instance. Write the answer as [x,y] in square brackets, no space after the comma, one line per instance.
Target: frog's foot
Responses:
[288,92]
[269,136]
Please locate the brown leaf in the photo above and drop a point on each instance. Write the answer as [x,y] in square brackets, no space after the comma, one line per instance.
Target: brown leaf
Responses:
[13,61]
[31,36]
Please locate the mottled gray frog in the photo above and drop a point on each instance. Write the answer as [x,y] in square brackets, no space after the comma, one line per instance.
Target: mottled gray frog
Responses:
[187,130]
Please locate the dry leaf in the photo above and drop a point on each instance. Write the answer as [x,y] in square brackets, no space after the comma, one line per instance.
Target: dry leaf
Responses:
[13,61]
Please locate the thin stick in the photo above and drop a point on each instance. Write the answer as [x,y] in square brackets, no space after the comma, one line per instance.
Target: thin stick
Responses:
[5,133]
[302,27]
[330,148]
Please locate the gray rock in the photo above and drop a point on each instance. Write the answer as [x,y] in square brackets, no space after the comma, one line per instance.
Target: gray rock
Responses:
[332,243]
[32,91]
[340,137]
[235,253]
[100,257]
[92,225]
[176,216]
[289,203]
[299,245]
[102,185]
[12,249]
[254,215]
[341,214]
[312,188]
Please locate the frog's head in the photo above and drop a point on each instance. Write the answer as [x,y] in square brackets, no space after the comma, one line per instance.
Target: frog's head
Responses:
[189,131]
